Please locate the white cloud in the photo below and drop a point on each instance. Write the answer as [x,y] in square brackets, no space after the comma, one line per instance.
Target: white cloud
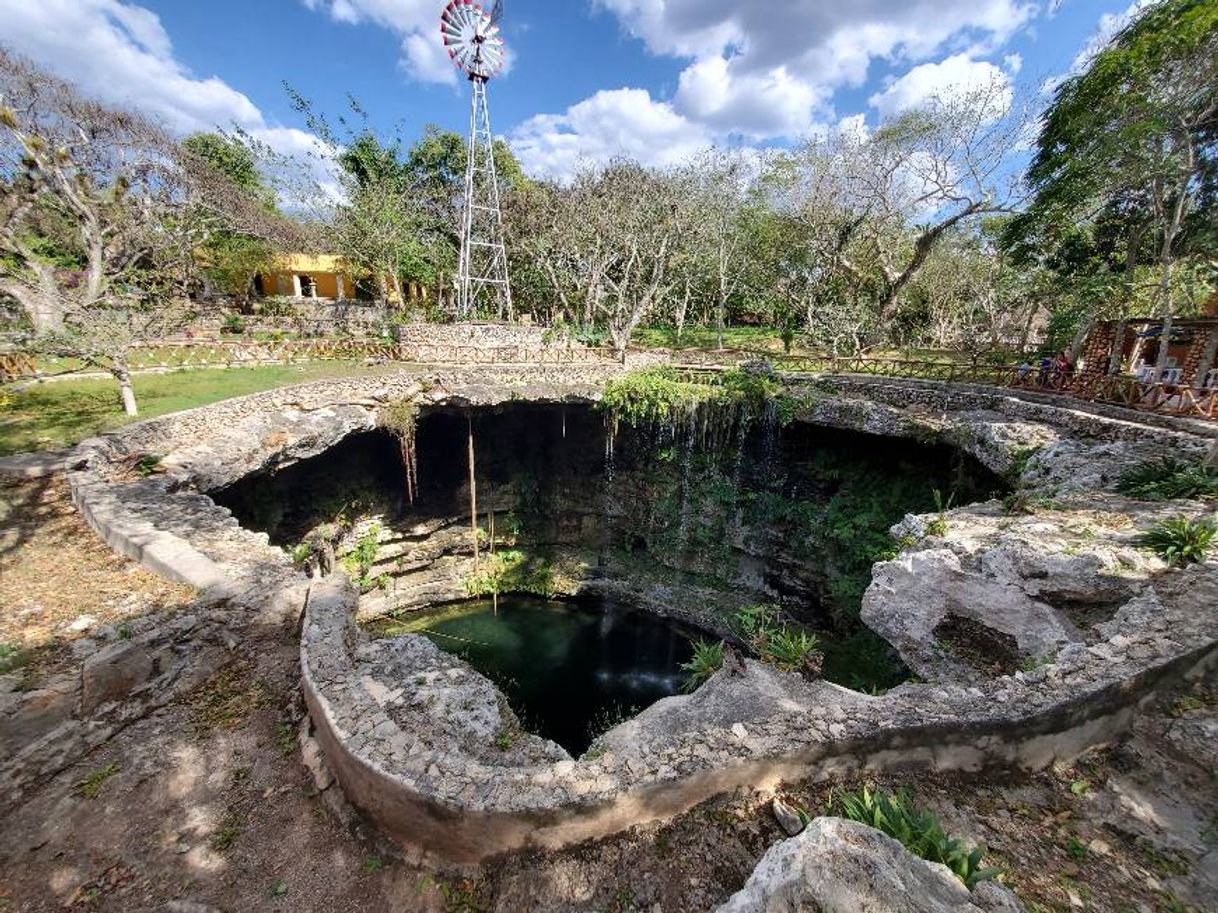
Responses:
[612,123]
[763,68]
[756,104]
[120,53]
[416,22]
[952,77]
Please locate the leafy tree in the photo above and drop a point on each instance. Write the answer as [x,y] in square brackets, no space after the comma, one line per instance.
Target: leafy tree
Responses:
[384,220]
[232,259]
[1128,150]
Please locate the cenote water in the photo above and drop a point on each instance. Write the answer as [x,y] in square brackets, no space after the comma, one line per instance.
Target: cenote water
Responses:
[569,670]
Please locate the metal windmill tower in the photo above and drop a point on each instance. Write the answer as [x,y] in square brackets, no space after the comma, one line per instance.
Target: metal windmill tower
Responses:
[475,45]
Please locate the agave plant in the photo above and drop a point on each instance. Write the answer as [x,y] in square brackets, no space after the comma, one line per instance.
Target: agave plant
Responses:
[1181,541]
[917,830]
[706,661]
[1167,479]
[787,649]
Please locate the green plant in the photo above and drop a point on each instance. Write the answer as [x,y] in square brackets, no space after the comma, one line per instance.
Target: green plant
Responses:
[124,630]
[751,620]
[227,835]
[11,657]
[773,641]
[301,553]
[706,661]
[146,465]
[1076,848]
[90,786]
[512,571]
[918,831]
[360,559]
[788,650]
[373,864]
[1019,462]
[938,526]
[233,323]
[1179,540]
[285,738]
[279,889]
[1167,479]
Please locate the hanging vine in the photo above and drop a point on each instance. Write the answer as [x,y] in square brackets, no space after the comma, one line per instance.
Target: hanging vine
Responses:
[402,419]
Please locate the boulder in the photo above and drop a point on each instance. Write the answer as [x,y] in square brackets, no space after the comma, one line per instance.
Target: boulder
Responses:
[911,596]
[838,866]
[113,673]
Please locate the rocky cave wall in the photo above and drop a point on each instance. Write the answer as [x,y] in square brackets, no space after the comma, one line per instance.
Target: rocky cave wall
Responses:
[692,519]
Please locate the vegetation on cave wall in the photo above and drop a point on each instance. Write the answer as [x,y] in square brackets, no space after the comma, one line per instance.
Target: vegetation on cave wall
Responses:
[659,395]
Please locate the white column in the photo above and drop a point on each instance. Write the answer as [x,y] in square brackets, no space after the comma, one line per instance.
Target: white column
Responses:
[296,292]
[338,279]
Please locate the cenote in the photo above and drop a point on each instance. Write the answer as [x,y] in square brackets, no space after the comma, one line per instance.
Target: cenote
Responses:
[569,669]
[692,512]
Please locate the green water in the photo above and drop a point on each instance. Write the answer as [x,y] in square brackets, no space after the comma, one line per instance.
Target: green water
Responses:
[569,670]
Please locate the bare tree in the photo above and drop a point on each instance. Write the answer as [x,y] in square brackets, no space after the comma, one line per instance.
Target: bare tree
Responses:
[875,205]
[723,181]
[100,219]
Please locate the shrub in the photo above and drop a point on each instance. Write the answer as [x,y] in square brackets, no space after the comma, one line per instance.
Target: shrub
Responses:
[1181,541]
[360,559]
[11,657]
[1167,479]
[918,831]
[707,660]
[233,324]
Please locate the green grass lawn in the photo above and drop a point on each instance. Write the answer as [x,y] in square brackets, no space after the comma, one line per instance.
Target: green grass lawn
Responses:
[50,415]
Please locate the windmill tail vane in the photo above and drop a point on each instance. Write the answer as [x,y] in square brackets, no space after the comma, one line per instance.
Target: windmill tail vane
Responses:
[496,12]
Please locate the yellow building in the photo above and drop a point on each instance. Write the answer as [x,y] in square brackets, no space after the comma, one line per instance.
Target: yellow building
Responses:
[327,277]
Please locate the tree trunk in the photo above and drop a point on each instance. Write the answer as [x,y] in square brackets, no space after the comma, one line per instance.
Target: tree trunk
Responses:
[1164,346]
[123,375]
[473,496]
[1080,339]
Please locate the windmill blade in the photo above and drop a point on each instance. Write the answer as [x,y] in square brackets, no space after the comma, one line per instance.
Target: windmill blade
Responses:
[496,12]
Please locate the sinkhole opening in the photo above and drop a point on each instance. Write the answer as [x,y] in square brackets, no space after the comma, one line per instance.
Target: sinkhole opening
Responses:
[702,517]
[570,669]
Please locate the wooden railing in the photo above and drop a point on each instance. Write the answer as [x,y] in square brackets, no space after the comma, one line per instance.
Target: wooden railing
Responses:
[1117,390]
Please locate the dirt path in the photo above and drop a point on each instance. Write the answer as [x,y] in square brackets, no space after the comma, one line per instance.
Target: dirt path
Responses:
[207,800]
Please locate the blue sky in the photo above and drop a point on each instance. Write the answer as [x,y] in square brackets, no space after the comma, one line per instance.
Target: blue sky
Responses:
[654,79]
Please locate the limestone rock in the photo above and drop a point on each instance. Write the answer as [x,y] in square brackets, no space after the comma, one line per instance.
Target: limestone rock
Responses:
[788,818]
[911,596]
[838,866]
[113,673]
[186,906]
[1196,737]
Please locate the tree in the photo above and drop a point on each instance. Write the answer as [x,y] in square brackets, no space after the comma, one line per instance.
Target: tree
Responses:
[382,220]
[232,259]
[724,188]
[1132,141]
[100,221]
[95,235]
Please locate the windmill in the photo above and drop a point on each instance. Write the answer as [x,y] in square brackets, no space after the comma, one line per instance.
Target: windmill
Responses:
[471,36]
